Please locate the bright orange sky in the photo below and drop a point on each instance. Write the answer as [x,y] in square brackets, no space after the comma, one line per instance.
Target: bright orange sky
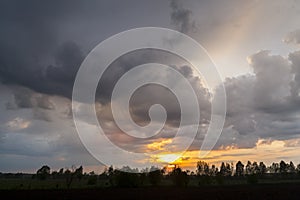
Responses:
[266,151]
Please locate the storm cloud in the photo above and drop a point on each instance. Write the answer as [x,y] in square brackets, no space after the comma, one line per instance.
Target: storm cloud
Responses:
[42,45]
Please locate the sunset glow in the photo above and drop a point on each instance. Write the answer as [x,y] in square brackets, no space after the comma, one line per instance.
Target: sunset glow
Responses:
[266,151]
[79,86]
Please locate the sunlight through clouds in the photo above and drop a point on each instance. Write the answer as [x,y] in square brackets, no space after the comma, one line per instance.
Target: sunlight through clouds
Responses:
[255,45]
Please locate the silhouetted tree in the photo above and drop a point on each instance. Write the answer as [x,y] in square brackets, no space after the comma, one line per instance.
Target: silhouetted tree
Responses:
[54,174]
[239,169]
[126,179]
[223,169]
[249,168]
[202,168]
[274,168]
[155,176]
[92,178]
[283,167]
[226,169]
[43,172]
[298,168]
[110,174]
[213,170]
[255,168]
[262,168]
[61,171]
[69,177]
[79,173]
[179,177]
[291,167]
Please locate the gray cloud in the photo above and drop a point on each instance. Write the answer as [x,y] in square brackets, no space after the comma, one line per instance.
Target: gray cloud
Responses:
[38,134]
[263,105]
[44,102]
[43,43]
[60,77]
[26,41]
[23,98]
[148,95]
[40,114]
[295,83]
[26,98]
[272,74]
[55,79]
[293,37]
[182,18]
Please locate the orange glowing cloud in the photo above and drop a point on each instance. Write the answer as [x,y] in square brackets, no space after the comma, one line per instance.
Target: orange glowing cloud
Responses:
[265,150]
[158,145]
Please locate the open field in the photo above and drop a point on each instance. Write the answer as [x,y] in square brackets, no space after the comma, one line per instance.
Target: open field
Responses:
[274,191]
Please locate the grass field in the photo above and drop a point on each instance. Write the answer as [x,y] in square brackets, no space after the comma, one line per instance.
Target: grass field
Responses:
[274,191]
[28,183]
[95,187]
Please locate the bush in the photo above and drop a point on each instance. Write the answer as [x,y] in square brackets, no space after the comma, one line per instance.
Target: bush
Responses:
[126,179]
[155,177]
[179,177]
[92,180]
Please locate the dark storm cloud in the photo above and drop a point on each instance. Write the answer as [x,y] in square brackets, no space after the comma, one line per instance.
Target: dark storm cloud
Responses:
[148,95]
[60,77]
[36,48]
[37,39]
[38,51]
[29,42]
[135,58]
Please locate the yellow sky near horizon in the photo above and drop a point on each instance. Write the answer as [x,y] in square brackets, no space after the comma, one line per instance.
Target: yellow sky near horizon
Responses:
[265,151]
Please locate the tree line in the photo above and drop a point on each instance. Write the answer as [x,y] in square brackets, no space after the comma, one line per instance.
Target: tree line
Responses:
[205,174]
[250,168]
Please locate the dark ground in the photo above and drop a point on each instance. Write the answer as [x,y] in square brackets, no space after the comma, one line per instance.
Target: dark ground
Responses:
[282,191]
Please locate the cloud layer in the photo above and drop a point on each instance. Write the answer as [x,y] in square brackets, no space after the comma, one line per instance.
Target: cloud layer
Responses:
[44,43]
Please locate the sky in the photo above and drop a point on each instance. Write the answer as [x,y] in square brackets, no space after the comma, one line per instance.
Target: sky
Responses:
[254,44]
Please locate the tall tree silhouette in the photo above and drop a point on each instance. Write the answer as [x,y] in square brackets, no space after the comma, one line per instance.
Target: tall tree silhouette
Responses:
[239,169]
